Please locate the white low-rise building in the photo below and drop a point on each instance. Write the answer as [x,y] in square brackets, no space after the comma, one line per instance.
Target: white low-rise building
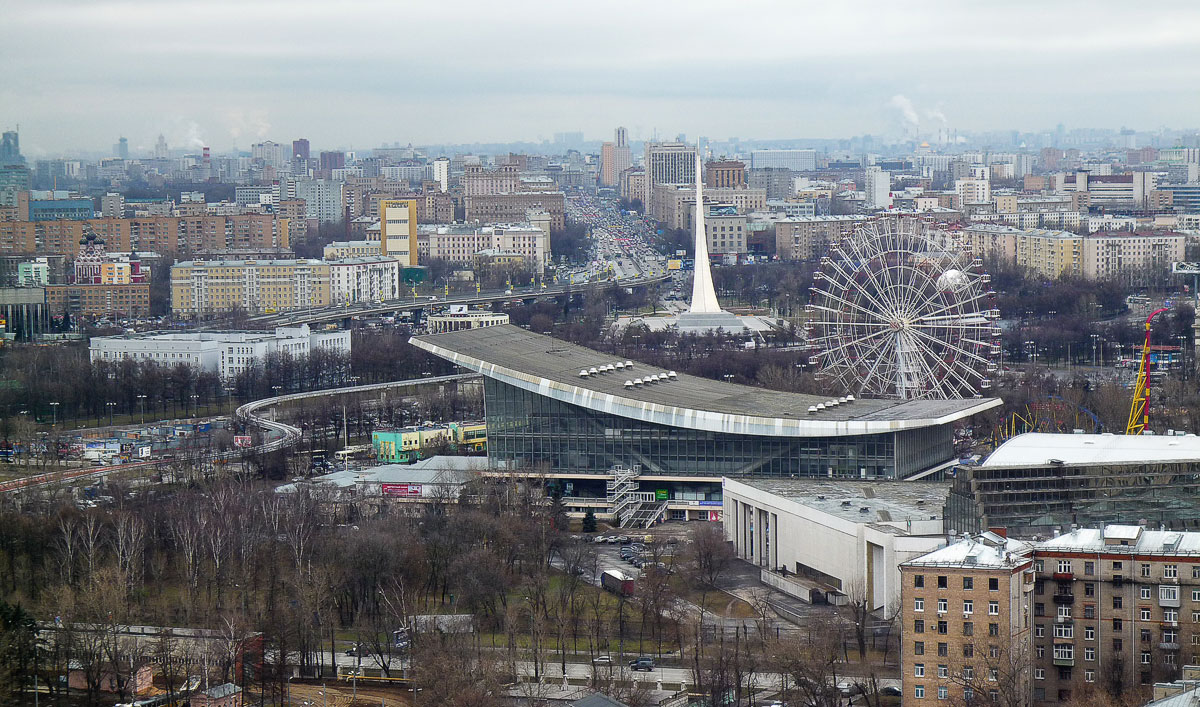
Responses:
[460,243]
[226,352]
[369,279]
[846,536]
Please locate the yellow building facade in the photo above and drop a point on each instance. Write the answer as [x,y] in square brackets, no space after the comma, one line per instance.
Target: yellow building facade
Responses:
[199,287]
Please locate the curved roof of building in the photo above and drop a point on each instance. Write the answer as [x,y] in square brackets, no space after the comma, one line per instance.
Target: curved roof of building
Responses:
[551,367]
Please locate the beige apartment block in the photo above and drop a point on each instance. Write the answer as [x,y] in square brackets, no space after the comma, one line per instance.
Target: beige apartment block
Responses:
[966,623]
[199,287]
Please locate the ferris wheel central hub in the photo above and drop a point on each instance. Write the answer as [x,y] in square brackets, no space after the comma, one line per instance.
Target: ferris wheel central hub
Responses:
[898,324]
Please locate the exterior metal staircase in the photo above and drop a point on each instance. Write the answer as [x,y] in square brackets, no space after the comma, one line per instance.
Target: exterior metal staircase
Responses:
[630,507]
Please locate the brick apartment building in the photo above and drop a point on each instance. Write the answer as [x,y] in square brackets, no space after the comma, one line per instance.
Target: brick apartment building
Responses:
[1115,609]
[966,622]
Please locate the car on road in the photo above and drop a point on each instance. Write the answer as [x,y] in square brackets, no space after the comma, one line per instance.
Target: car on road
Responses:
[890,691]
[602,660]
[643,663]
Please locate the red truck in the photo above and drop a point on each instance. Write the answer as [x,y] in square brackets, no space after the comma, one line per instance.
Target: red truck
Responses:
[617,583]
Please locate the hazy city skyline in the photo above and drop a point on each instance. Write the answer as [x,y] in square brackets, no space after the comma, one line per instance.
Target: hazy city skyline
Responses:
[81,74]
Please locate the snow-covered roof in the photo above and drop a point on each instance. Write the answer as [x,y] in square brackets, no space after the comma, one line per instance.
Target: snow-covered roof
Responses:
[1125,539]
[1040,448]
[987,550]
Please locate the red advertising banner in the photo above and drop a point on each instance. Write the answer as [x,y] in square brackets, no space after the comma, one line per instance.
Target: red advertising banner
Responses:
[402,490]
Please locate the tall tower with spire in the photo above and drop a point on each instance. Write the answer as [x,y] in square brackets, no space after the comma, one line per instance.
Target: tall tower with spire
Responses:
[704,297]
[704,313]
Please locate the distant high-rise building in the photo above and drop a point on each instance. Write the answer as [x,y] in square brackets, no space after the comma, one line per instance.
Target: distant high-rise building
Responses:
[441,173]
[795,160]
[300,149]
[878,188]
[269,152]
[333,160]
[10,149]
[668,163]
[398,230]
[121,149]
[615,158]
[160,148]
[725,173]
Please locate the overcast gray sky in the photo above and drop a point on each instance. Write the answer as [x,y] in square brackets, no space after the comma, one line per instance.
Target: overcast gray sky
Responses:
[77,74]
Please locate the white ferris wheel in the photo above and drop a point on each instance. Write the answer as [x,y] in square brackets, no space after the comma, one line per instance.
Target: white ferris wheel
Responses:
[904,311]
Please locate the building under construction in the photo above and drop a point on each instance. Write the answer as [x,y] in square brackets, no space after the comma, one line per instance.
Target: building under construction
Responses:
[1040,484]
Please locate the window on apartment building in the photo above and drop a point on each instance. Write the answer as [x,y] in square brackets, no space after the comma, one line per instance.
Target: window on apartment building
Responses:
[968,650]
[968,582]
[1039,609]
[1039,566]
[1039,631]
[1118,625]
[919,670]
[1171,571]
[1064,631]
[943,670]
[943,692]
[1144,614]
[919,692]
[1171,615]
[1145,570]
[1039,673]
[1117,565]
[1039,651]
[1089,654]
[968,606]
[1089,589]
[1145,657]
[1064,612]
[943,627]
[919,626]
[1064,566]
[919,648]
[1118,645]
[993,608]
[1145,591]
[1196,595]
[1117,601]
[1168,593]
[968,628]
[993,629]
[993,584]
[1089,633]
[918,604]
[942,582]
[942,606]
[1144,634]
[1195,571]
[943,650]
[1089,568]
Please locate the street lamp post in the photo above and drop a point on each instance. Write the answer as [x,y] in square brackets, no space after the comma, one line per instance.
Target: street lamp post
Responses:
[1095,342]
[54,415]
[195,403]
[110,405]
[142,402]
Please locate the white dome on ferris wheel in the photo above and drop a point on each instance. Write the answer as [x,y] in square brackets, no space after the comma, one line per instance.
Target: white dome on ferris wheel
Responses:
[900,309]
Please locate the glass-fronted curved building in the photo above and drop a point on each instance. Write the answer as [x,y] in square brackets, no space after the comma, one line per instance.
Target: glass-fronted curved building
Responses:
[576,412]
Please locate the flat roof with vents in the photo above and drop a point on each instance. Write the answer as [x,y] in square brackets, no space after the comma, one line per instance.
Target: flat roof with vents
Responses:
[554,368]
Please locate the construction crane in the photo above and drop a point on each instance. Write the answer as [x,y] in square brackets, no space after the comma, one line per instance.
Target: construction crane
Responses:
[1139,411]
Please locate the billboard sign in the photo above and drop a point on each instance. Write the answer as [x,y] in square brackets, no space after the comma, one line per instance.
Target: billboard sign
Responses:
[242,441]
[402,490]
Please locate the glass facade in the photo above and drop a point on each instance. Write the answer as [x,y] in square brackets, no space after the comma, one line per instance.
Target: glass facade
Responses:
[526,428]
[1043,499]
